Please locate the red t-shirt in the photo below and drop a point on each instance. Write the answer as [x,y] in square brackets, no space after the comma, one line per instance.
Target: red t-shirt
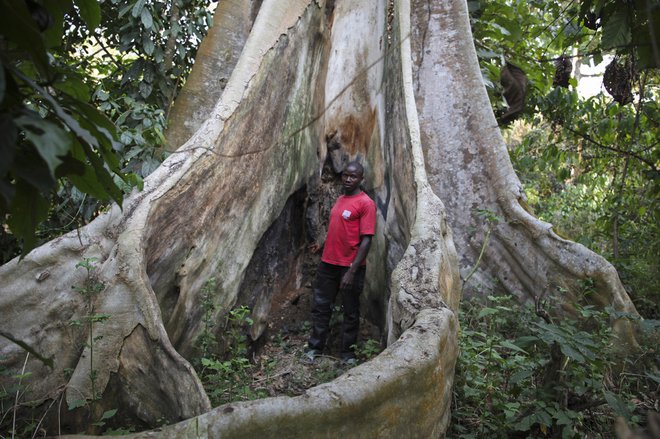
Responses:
[351,217]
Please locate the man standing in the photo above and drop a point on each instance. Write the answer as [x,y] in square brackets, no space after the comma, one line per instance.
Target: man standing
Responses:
[343,264]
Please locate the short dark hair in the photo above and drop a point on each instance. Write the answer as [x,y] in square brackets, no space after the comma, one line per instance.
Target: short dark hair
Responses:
[357,165]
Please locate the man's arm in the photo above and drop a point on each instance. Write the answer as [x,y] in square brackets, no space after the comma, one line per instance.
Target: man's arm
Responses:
[347,279]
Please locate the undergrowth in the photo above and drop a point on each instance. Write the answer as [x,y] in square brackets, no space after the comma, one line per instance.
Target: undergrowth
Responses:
[232,371]
[520,376]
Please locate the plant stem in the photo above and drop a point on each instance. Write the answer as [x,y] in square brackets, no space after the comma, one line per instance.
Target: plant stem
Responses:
[13,422]
[481,254]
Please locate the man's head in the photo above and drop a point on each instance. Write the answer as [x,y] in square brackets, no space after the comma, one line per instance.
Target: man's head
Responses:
[351,178]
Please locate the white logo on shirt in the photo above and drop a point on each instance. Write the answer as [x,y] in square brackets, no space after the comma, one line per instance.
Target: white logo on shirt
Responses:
[346,214]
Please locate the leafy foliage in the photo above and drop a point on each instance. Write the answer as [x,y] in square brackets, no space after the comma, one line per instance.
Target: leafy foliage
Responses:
[158,41]
[595,178]
[52,131]
[590,166]
[518,376]
[84,91]
[534,34]
[227,377]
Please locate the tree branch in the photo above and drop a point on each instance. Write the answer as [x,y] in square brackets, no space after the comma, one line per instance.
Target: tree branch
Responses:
[170,45]
[588,138]
[540,311]
[29,349]
[107,52]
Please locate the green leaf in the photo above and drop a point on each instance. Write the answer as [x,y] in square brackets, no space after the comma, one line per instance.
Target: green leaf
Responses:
[57,10]
[137,8]
[145,89]
[148,47]
[86,181]
[30,167]
[90,12]
[508,345]
[17,26]
[146,18]
[562,418]
[544,418]
[134,180]
[527,341]
[616,30]
[487,312]
[67,119]
[108,414]
[103,176]
[525,423]
[520,376]
[102,95]
[28,209]
[618,405]
[74,86]
[123,11]
[51,141]
[571,353]
[102,130]
[597,58]
[77,404]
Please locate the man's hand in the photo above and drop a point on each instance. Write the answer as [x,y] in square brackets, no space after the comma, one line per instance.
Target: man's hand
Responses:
[347,279]
[314,248]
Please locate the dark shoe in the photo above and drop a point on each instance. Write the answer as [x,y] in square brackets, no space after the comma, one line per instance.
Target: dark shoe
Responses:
[309,355]
[349,360]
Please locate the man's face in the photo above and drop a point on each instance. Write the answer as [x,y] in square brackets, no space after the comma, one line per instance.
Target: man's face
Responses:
[351,179]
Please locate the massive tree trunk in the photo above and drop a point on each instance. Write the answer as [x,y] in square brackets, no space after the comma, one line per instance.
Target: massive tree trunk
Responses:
[469,169]
[317,83]
[217,55]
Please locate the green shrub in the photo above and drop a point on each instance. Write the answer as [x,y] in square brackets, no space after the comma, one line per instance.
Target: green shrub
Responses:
[227,376]
[519,376]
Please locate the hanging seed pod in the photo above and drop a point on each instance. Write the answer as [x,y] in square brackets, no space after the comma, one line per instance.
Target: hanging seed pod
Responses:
[563,69]
[617,81]
[514,84]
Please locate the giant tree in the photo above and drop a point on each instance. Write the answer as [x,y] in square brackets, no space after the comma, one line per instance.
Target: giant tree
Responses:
[395,84]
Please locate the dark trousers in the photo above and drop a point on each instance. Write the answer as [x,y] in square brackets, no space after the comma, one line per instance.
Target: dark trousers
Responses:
[326,287]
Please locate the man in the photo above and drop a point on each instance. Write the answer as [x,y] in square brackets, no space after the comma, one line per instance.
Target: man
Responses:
[343,264]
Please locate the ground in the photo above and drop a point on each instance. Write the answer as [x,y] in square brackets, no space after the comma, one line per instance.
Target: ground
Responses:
[288,335]
[275,366]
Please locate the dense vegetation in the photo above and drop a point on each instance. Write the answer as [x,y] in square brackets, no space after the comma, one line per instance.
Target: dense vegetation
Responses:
[85,89]
[522,376]
[589,166]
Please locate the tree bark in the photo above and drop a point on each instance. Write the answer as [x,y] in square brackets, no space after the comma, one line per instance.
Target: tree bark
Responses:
[170,45]
[470,170]
[217,55]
